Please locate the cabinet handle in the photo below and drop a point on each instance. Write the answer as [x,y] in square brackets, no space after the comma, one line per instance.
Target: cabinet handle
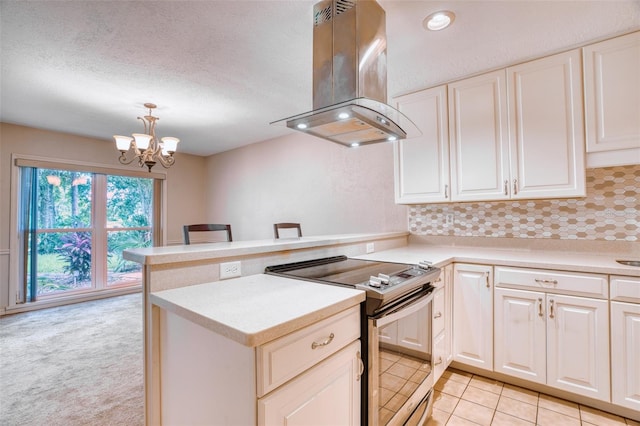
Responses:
[439,361]
[540,313]
[551,315]
[515,186]
[541,281]
[316,345]
[506,187]
[360,367]
[437,315]
[486,276]
[446,191]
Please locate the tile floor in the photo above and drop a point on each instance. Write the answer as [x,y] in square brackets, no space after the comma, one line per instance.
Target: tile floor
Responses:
[462,398]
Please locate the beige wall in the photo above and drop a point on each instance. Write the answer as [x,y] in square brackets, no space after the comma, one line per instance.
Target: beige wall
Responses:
[328,188]
[184,183]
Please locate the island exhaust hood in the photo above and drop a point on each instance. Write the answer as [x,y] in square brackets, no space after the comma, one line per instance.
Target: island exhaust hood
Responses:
[350,77]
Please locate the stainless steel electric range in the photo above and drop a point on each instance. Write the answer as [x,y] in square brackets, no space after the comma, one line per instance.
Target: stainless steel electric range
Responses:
[396,331]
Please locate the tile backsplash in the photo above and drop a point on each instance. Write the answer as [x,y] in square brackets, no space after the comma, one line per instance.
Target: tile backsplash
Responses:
[610,212]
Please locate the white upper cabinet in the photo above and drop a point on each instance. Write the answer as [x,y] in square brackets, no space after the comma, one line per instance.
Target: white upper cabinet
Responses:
[479,135]
[612,101]
[518,133]
[546,127]
[422,163]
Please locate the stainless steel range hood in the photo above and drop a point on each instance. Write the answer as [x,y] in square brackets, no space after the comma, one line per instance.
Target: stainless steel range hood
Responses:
[350,77]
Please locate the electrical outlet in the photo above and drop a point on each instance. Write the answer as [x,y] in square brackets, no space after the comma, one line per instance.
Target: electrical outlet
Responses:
[230,270]
[370,248]
[449,219]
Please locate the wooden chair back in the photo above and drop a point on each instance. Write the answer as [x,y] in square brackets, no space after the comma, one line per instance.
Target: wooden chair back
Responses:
[206,227]
[278,226]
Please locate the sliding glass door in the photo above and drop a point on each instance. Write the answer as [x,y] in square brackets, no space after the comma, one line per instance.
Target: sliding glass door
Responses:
[74,226]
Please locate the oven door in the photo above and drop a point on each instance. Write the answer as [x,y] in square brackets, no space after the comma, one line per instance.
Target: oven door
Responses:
[400,362]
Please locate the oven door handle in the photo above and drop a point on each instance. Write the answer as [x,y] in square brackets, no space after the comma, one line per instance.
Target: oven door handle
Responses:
[408,308]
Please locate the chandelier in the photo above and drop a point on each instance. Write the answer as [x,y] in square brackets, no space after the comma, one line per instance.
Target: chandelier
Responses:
[145,147]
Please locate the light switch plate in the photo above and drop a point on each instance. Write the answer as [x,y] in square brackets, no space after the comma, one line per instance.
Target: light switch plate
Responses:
[370,248]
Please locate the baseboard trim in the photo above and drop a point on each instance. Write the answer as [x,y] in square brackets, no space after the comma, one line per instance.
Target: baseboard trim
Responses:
[68,300]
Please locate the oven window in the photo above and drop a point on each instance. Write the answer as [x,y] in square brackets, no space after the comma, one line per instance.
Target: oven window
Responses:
[405,363]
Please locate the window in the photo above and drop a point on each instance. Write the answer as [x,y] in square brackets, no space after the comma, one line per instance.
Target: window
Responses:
[74,225]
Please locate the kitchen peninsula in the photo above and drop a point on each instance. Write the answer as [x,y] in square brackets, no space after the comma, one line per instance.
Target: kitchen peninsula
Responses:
[175,267]
[190,274]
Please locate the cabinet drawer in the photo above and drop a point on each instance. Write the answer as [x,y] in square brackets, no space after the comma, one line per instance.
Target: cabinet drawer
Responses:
[438,311]
[439,356]
[290,355]
[591,285]
[626,289]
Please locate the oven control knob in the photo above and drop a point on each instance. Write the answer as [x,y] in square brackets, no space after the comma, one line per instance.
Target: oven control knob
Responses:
[384,279]
[375,282]
[425,264]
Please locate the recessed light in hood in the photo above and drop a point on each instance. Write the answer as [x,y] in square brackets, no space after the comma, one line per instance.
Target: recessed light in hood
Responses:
[350,78]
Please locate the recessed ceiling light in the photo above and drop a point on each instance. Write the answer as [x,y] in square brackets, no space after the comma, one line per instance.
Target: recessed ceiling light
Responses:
[301,126]
[438,20]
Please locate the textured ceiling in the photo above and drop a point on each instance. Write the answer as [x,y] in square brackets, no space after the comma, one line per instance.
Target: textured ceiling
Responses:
[220,71]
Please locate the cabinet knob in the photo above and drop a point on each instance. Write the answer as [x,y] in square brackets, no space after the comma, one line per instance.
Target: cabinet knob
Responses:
[437,315]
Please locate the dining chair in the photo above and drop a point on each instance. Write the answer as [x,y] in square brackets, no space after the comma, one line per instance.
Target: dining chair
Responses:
[205,227]
[278,226]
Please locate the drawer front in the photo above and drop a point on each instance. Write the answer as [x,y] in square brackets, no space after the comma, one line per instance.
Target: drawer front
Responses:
[625,289]
[439,355]
[438,311]
[290,355]
[590,285]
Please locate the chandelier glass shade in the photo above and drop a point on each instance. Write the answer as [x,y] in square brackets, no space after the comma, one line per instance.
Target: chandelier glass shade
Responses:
[145,147]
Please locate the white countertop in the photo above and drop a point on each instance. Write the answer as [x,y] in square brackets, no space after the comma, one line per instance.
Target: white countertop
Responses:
[545,259]
[255,309]
[210,251]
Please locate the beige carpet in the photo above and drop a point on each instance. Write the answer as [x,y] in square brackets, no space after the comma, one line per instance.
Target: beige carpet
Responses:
[73,365]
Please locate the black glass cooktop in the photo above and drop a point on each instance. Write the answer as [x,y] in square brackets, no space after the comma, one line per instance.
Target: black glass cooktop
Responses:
[340,270]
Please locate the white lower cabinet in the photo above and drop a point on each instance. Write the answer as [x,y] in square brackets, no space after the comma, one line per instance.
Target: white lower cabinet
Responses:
[549,338]
[520,334]
[309,376]
[473,315]
[625,342]
[442,321]
[328,394]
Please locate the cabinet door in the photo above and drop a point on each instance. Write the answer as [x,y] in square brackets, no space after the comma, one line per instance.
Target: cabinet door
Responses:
[473,315]
[438,357]
[612,97]
[578,345]
[546,132]
[448,314]
[479,138]
[625,354]
[327,394]
[421,165]
[520,334]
